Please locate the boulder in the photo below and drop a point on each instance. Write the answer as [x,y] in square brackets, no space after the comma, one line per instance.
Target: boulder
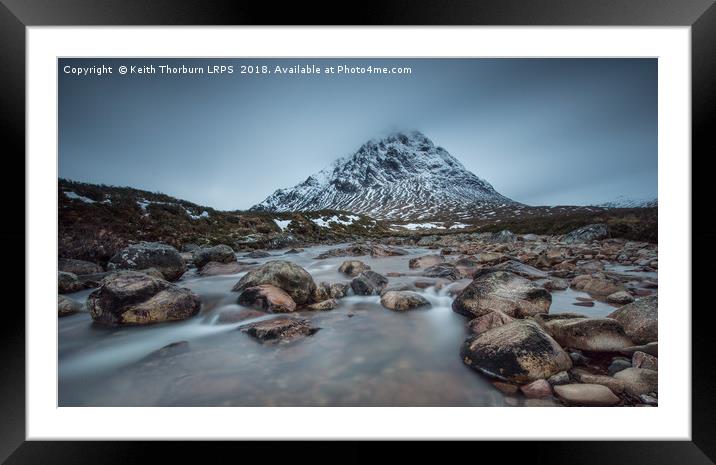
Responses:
[427,240]
[638,381]
[143,255]
[217,269]
[588,233]
[502,291]
[559,379]
[519,351]
[556,284]
[506,388]
[68,283]
[643,360]
[134,298]
[369,283]
[324,306]
[257,254]
[586,395]
[425,261]
[403,300]
[353,267]
[584,376]
[617,365]
[268,298]
[488,321]
[288,276]
[538,389]
[355,250]
[444,271]
[640,319]
[620,297]
[279,330]
[380,250]
[596,284]
[67,306]
[219,254]
[78,267]
[591,334]
[521,269]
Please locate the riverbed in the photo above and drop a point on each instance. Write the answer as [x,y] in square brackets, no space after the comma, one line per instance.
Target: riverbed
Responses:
[363,355]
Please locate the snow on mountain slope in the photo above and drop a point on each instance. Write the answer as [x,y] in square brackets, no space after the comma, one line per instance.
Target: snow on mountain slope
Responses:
[629,202]
[400,177]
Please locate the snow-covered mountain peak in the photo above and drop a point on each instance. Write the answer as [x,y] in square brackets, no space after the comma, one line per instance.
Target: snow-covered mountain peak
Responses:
[400,176]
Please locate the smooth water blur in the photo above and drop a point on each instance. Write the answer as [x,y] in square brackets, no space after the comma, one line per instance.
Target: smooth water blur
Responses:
[364,354]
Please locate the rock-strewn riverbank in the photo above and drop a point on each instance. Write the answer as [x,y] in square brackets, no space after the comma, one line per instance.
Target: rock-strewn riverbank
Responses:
[503,284]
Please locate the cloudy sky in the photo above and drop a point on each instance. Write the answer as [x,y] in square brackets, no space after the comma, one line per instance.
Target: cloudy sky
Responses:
[541,131]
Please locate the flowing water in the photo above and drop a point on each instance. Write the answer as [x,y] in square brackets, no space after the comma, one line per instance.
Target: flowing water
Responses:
[364,354]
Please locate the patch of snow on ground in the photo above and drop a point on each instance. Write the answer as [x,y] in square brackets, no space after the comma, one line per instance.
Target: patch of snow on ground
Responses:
[283,224]
[414,226]
[459,226]
[75,196]
[324,222]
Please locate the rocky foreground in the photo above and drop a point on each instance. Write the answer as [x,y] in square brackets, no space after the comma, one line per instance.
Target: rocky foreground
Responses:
[501,282]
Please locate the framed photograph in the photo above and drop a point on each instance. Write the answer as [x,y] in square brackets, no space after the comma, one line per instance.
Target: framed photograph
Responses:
[422,223]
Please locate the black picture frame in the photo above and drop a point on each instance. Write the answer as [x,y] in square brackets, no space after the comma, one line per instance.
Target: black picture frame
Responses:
[16,15]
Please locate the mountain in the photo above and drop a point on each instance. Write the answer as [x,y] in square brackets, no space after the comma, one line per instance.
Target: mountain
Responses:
[401,177]
[630,202]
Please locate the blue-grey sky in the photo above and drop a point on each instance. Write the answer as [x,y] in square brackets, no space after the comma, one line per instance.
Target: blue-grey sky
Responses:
[541,131]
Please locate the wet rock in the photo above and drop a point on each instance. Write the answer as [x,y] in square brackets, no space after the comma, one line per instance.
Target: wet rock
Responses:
[426,261]
[293,279]
[355,250]
[521,269]
[651,348]
[169,350]
[442,271]
[639,381]
[220,254]
[403,300]
[427,240]
[559,379]
[648,400]
[519,351]
[293,251]
[68,282]
[502,291]
[488,321]
[396,287]
[218,269]
[587,395]
[621,297]
[379,250]
[595,284]
[591,334]
[134,298]
[236,315]
[537,389]
[189,247]
[578,358]
[584,304]
[353,267]
[506,388]
[143,255]
[267,297]
[368,283]
[640,319]
[644,360]
[67,306]
[279,330]
[257,254]
[78,267]
[584,376]
[556,284]
[489,258]
[617,365]
[588,233]
[324,306]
